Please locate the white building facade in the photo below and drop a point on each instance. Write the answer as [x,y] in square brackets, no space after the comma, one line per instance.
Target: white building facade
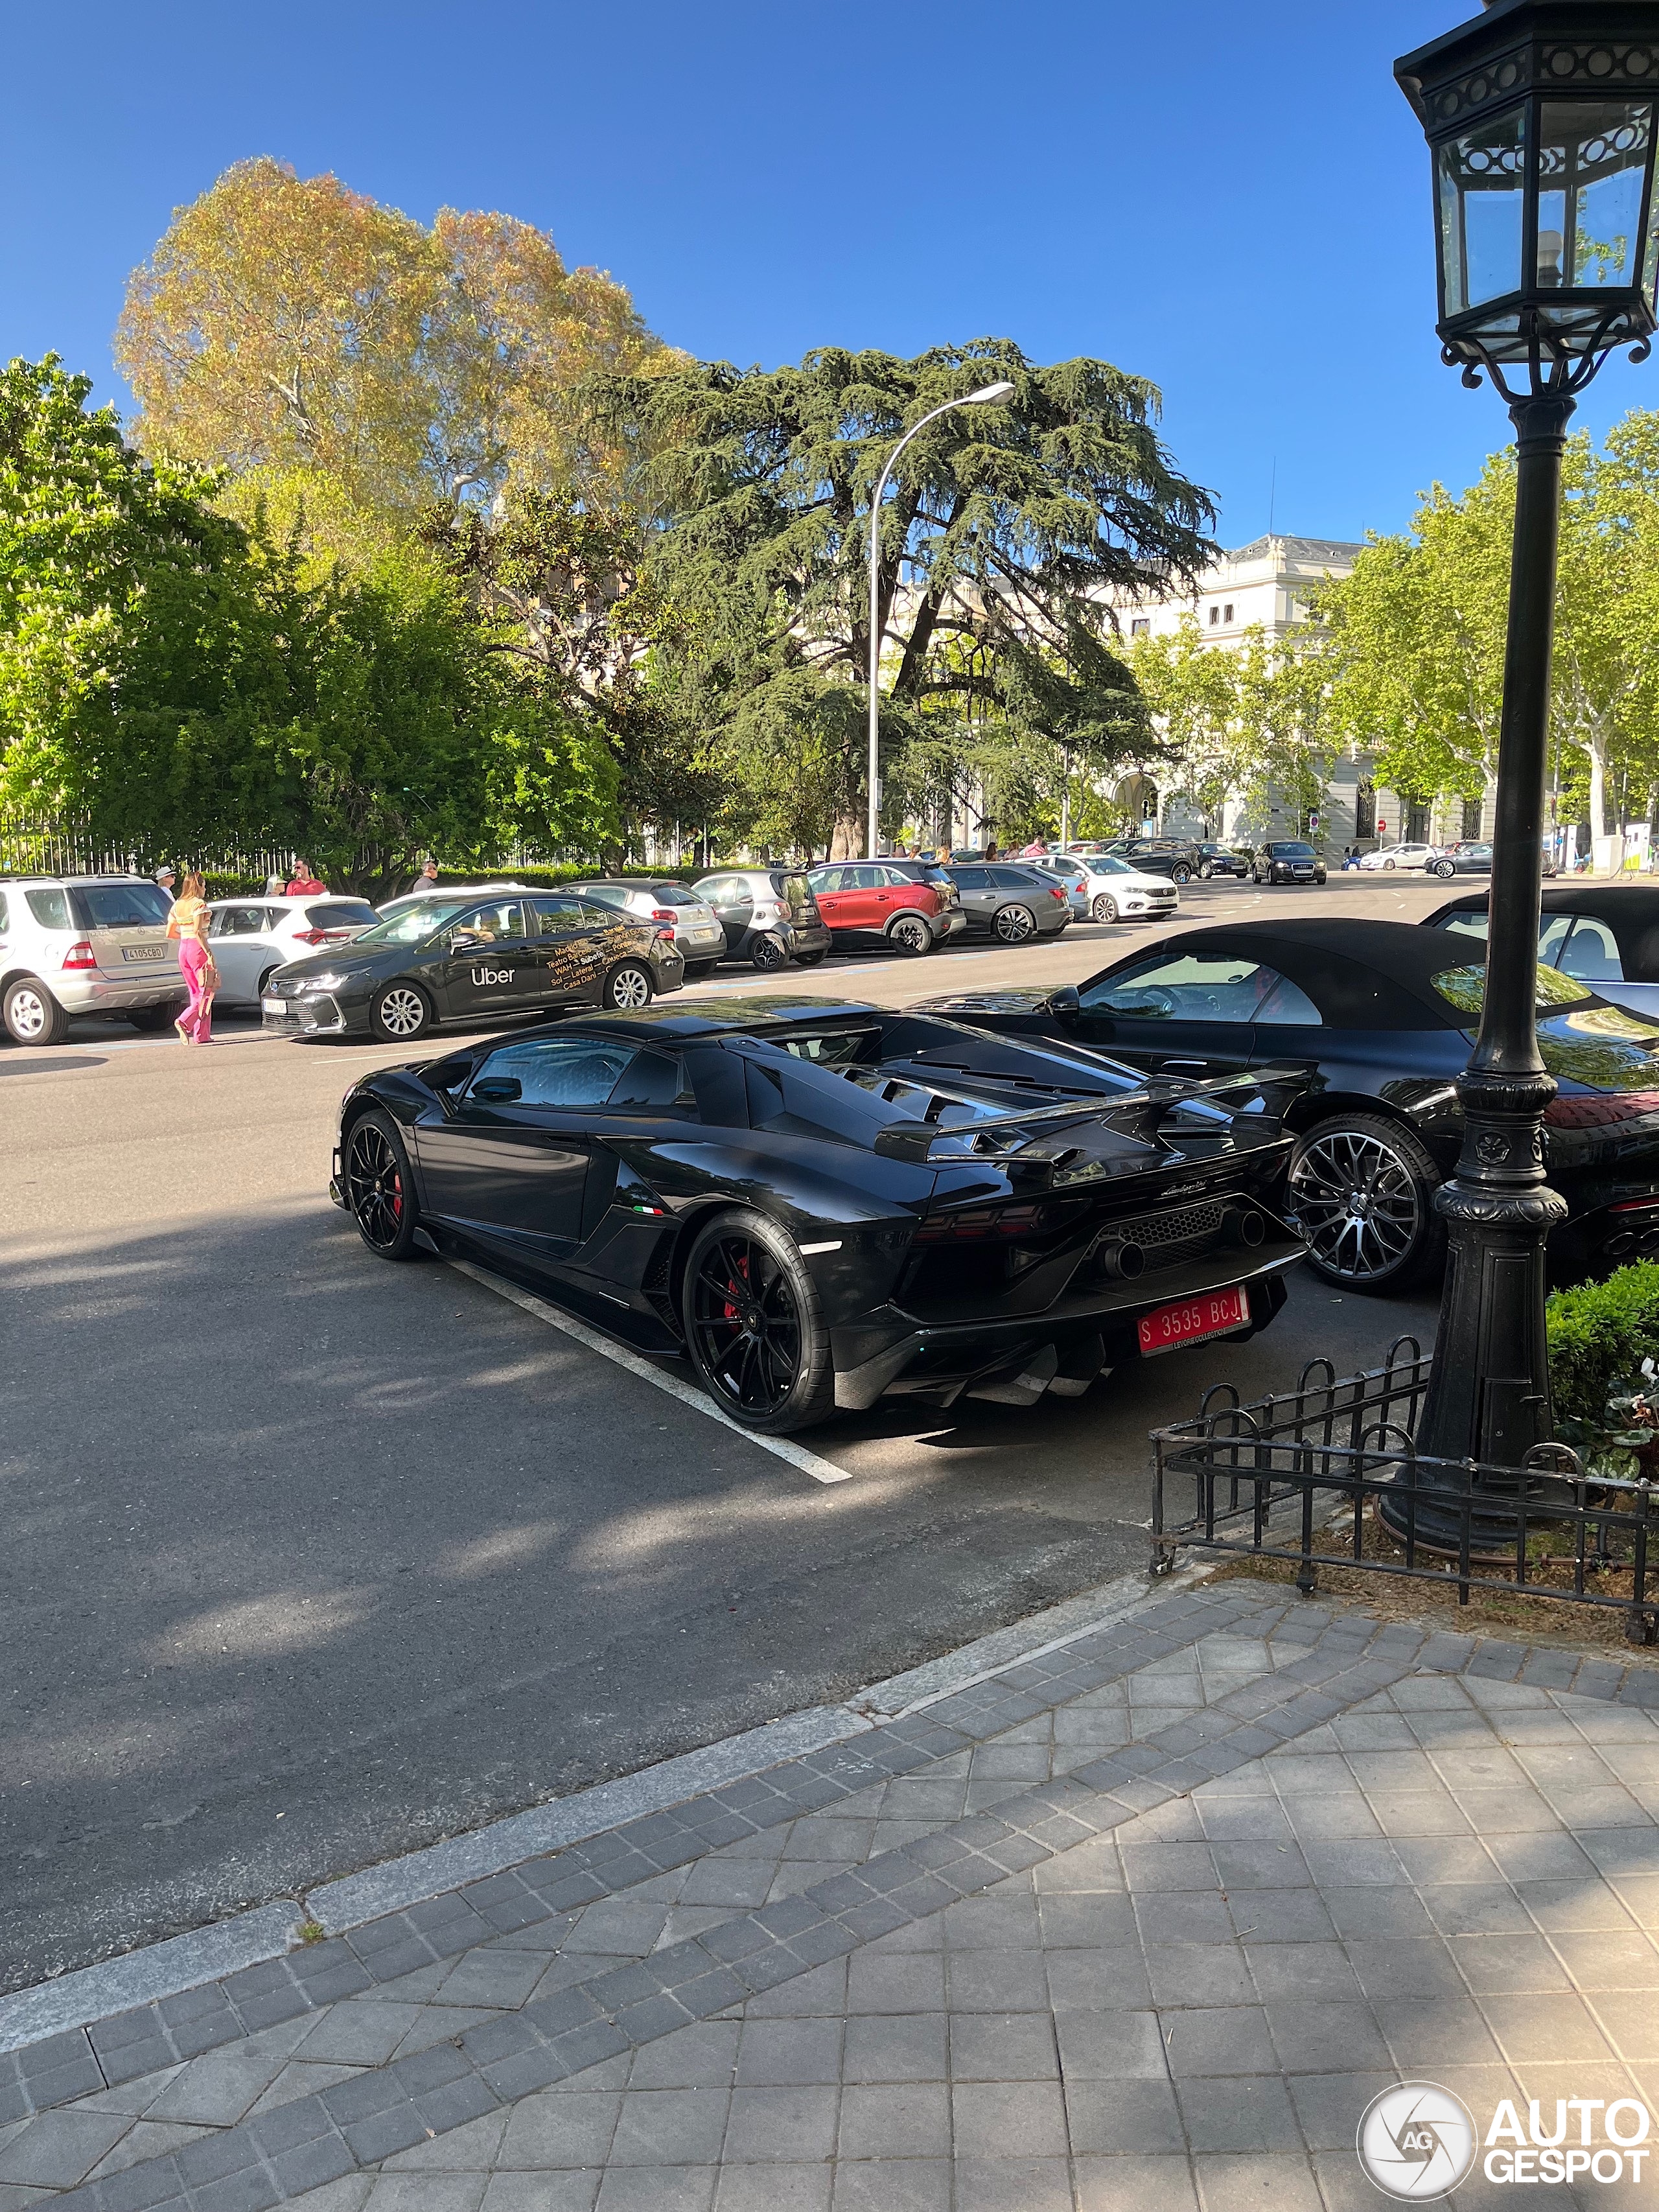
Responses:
[1267,585]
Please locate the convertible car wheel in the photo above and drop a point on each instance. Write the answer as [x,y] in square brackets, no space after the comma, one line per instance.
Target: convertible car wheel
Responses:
[753,1326]
[401,1011]
[1104,908]
[1015,924]
[627,987]
[1364,1191]
[377,1188]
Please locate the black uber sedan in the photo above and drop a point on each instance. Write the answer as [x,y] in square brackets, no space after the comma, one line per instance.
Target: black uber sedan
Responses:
[822,1202]
[1378,1019]
[471,960]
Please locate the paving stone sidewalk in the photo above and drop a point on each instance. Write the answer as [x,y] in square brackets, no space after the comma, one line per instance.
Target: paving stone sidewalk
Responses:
[1143,1922]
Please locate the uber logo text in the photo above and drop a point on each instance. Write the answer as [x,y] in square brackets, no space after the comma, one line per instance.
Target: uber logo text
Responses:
[492,974]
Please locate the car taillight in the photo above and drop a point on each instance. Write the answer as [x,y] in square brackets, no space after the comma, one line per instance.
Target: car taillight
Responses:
[321,936]
[665,914]
[1056,892]
[1603,1110]
[979,1222]
[81,955]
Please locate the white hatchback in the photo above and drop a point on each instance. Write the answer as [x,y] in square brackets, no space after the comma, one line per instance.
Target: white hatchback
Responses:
[250,937]
[1400,856]
[1102,888]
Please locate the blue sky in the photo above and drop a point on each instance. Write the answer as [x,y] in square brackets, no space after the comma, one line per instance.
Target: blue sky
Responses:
[1229,199]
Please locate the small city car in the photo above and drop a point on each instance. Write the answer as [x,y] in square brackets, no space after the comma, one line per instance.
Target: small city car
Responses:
[909,905]
[683,914]
[1013,901]
[1287,860]
[465,960]
[1375,1020]
[251,938]
[818,1203]
[770,916]
[87,946]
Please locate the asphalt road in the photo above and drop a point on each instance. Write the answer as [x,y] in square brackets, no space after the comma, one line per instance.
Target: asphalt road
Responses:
[309,1560]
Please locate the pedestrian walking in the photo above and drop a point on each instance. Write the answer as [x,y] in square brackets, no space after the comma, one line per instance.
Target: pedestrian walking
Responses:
[303,884]
[188,921]
[427,878]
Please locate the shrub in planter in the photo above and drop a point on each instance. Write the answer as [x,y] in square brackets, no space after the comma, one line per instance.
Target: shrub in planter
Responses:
[1604,1354]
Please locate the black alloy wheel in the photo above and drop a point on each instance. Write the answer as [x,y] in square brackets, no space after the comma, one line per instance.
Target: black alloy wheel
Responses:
[1363,1189]
[628,987]
[1181,873]
[910,935]
[379,1191]
[754,1328]
[400,1012]
[769,951]
[1015,925]
[1104,908]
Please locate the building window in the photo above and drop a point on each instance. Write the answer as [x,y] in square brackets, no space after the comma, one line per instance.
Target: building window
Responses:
[1364,809]
[1215,617]
[1227,611]
[1140,627]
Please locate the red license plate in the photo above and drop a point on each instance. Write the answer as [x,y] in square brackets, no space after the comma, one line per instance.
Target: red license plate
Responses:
[1213,1315]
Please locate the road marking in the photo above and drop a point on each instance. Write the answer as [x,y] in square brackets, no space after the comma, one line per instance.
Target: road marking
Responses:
[821,1470]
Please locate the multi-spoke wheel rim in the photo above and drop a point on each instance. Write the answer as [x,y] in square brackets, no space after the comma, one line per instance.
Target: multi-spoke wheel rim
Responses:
[1360,1204]
[1105,910]
[629,990]
[913,936]
[1015,924]
[374,1185]
[747,1325]
[402,1011]
[28,1014]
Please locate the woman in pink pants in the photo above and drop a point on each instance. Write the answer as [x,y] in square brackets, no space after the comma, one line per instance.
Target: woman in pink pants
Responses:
[188,922]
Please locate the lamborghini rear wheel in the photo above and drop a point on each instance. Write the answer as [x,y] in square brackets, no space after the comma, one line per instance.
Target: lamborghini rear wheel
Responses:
[754,1326]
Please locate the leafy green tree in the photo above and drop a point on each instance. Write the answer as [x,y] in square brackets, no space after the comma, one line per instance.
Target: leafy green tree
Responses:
[172,681]
[1191,692]
[1001,527]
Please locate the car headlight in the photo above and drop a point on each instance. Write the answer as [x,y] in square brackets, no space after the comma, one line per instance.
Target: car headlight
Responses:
[330,982]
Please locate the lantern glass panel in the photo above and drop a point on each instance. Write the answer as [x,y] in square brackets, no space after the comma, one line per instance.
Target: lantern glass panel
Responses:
[1592,165]
[1483,200]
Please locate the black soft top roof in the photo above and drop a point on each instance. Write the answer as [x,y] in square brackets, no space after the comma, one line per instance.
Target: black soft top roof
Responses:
[659,1024]
[1370,975]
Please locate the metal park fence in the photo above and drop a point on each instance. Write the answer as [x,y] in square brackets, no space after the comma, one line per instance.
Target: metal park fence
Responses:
[1328,1476]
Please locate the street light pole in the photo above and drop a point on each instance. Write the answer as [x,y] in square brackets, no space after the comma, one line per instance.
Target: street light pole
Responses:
[1540,117]
[988,392]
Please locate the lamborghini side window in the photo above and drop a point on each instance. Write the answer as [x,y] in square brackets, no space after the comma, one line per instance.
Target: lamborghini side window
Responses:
[551,1071]
[838,1048]
[652,1079]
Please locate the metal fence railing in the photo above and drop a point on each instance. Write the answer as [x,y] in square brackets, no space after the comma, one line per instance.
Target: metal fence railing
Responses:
[1328,1476]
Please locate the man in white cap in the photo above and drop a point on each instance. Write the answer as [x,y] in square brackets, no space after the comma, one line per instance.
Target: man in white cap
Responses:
[165,882]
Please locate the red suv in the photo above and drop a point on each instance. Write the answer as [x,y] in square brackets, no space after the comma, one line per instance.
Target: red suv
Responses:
[912,905]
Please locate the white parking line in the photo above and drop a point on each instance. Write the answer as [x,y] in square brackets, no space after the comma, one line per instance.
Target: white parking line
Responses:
[821,1470]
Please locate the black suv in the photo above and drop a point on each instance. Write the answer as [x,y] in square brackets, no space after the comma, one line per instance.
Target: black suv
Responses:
[1178,858]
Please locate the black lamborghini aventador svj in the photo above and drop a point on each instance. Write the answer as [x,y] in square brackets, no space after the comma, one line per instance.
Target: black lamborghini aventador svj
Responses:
[820,1202]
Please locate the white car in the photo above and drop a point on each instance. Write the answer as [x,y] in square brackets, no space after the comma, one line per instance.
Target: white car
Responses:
[250,937]
[1101,888]
[1400,856]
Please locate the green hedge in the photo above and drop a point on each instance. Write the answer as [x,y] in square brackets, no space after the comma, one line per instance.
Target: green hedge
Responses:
[1600,1333]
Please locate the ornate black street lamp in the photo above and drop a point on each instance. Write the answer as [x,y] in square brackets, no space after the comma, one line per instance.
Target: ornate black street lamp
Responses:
[1540,121]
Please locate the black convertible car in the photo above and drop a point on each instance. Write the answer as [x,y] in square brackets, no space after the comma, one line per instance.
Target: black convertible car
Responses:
[1605,936]
[1377,1019]
[821,1201]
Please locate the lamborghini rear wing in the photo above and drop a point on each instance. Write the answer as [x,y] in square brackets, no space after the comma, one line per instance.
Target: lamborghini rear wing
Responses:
[1002,1136]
